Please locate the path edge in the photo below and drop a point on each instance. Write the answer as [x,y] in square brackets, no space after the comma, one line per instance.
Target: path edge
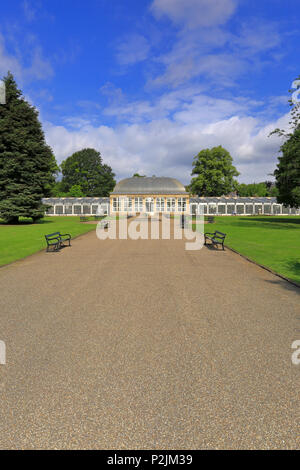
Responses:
[40,251]
[295,283]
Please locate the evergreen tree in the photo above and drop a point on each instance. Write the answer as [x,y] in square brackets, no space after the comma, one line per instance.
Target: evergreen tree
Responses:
[86,169]
[27,164]
[215,173]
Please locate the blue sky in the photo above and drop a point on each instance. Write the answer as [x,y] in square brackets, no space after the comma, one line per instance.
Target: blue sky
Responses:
[150,83]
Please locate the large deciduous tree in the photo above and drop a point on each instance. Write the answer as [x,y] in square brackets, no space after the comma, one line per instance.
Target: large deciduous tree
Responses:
[27,164]
[86,169]
[214,173]
[287,173]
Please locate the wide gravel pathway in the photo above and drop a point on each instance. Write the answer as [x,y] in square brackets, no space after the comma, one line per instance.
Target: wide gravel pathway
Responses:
[123,344]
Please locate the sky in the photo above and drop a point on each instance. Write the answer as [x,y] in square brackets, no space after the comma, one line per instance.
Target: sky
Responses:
[150,83]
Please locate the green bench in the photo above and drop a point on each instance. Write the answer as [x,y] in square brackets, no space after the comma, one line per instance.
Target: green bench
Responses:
[217,238]
[56,240]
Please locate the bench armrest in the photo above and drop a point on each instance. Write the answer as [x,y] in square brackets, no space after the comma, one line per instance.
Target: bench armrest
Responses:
[208,233]
[65,235]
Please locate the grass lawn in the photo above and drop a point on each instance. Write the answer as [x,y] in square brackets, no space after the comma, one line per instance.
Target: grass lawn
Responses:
[18,241]
[271,241]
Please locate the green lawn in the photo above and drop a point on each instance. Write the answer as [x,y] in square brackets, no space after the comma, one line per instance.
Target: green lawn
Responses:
[18,241]
[273,242]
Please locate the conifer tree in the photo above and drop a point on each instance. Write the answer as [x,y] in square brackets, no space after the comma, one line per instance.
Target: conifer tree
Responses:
[27,164]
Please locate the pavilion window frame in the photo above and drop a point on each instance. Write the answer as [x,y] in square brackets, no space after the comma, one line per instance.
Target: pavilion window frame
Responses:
[116,204]
[171,204]
[128,204]
[138,204]
[160,204]
[182,204]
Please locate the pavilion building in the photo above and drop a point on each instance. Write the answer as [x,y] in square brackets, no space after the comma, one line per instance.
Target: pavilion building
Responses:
[149,195]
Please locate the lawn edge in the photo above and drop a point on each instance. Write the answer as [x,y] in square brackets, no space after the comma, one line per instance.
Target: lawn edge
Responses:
[295,283]
[40,251]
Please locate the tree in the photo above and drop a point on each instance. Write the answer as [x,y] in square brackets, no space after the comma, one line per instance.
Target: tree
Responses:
[266,188]
[287,173]
[76,191]
[273,192]
[27,164]
[253,189]
[137,175]
[57,191]
[85,168]
[215,173]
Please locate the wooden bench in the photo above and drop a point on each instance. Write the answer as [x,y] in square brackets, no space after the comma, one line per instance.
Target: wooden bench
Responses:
[57,240]
[83,218]
[216,238]
[210,219]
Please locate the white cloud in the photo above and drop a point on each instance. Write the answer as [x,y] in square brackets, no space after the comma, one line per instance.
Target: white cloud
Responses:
[134,48]
[40,67]
[36,68]
[195,13]
[257,36]
[220,69]
[167,147]
[184,105]
[205,49]
[8,61]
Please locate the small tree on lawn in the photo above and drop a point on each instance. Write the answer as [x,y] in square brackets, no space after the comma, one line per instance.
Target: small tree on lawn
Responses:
[27,164]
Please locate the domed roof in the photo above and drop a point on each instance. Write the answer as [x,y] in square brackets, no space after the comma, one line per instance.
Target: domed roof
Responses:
[149,185]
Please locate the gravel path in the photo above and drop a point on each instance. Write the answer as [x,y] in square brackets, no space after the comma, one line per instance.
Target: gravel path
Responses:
[143,345]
